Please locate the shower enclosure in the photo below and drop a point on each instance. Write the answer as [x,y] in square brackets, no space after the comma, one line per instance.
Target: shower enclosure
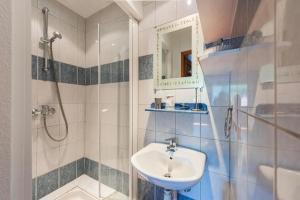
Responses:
[80,101]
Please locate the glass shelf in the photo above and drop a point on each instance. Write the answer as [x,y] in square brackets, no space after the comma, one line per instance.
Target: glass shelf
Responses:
[176,111]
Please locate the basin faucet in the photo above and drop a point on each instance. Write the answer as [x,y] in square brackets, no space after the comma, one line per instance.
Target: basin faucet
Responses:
[171,148]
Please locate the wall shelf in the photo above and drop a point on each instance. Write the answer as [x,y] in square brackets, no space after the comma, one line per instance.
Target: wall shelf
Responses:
[177,111]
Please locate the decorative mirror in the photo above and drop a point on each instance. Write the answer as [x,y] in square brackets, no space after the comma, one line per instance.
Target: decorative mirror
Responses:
[178,47]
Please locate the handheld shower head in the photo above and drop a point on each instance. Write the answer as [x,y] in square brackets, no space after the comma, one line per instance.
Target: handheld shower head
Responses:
[55,35]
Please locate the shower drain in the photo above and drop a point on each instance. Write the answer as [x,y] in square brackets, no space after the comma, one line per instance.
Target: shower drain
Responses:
[167,175]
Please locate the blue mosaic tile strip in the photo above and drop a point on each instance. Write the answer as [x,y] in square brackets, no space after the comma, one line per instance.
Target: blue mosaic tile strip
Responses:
[126,70]
[146,67]
[80,167]
[53,70]
[94,75]
[81,76]
[67,173]
[34,67]
[117,72]
[34,189]
[47,183]
[87,76]
[111,177]
[68,73]
[105,74]
[110,73]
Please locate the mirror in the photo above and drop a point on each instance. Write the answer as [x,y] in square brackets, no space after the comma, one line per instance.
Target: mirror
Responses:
[177,54]
[178,45]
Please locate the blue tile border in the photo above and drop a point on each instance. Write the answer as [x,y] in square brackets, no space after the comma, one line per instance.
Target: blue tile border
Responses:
[146,67]
[81,76]
[34,67]
[114,72]
[47,183]
[68,73]
[53,180]
[94,75]
[67,173]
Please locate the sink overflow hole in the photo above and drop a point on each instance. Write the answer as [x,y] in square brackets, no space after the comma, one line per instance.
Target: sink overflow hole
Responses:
[167,175]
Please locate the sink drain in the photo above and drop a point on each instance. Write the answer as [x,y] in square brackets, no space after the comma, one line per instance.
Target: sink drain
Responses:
[167,175]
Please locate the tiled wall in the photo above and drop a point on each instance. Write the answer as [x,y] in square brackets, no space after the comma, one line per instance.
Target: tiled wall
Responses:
[200,132]
[87,95]
[69,71]
[107,98]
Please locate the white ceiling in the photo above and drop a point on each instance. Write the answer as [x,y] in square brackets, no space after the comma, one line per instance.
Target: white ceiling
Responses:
[217,17]
[85,8]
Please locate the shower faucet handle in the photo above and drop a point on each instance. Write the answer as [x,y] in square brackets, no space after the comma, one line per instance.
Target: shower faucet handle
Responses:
[35,112]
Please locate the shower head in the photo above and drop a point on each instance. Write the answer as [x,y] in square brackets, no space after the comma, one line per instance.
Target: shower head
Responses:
[55,35]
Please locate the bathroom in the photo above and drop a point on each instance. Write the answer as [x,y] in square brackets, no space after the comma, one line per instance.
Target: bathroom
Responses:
[101,108]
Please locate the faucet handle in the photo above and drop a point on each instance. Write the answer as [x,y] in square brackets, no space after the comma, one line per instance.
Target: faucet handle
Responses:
[172,141]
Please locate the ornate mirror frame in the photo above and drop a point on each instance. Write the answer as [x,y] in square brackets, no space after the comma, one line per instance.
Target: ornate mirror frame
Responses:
[194,81]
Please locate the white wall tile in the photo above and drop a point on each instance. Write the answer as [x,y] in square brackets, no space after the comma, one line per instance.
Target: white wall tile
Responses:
[145,137]
[189,142]
[165,122]
[47,93]
[70,152]
[212,125]
[146,41]
[188,124]
[258,156]
[259,192]
[260,133]
[214,187]
[217,153]
[186,7]
[44,142]
[92,94]
[47,160]
[165,11]
[238,161]
[146,120]
[146,92]
[148,20]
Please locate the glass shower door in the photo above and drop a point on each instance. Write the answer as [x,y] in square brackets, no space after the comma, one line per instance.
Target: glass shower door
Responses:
[114,101]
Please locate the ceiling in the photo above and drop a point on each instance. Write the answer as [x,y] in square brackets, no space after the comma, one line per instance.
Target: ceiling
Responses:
[85,8]
[217,18]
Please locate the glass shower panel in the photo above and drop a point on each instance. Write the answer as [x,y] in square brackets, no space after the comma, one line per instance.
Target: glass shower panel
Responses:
[114,101]
[288,98]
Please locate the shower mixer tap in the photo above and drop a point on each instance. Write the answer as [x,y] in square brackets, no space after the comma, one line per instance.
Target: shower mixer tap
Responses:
[44,111]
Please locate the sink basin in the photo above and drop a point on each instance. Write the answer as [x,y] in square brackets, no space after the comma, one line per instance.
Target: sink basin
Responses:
[182,172]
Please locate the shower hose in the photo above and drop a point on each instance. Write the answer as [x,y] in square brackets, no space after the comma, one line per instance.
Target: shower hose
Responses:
[59,101]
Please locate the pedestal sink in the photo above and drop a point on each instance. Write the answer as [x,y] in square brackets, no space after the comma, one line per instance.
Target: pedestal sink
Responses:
[181,172]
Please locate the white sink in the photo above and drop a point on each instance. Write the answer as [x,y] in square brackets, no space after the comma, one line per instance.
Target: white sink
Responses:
[185,169]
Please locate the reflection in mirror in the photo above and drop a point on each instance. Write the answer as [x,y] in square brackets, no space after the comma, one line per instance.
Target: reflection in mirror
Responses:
[177,53]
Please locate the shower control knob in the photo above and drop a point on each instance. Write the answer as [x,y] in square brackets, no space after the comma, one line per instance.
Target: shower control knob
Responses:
[35,112]
[47,110]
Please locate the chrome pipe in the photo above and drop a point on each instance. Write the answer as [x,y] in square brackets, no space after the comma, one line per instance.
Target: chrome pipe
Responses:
[45,39]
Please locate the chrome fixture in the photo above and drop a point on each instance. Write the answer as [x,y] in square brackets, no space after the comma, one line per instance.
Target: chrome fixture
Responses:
[55,35]
[47,44]
[196,99]
[228,122]
[171,148]
[45,111]
[44,41]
